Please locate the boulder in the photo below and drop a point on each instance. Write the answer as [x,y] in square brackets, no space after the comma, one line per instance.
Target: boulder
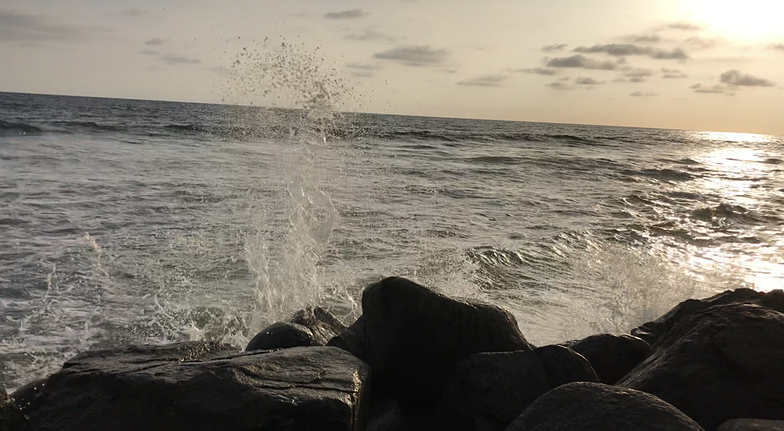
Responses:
[490,390]
[388,415]
[204,386]
[598,407]
[652,331]
[413,338]
[751,425]
[322,324]
[612,356]
[723,363]
[11,418]
[281,335]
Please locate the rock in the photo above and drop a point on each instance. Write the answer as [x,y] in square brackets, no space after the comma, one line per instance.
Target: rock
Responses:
[281,335]
[751,425]
[11,418]
[612,356]
[321,323]
[652,331]
[388,415]
[599,407]
[205,386]
[723,363]
[24,395]
[491,389]
[413,338]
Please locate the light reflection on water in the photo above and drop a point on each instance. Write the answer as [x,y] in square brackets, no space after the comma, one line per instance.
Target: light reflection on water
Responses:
[745,172]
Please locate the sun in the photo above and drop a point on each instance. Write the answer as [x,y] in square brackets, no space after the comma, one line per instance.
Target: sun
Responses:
[748,20]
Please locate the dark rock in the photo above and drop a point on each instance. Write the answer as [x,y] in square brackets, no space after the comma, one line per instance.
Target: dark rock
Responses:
[204,386]
[652,331]
[321,323]
[413,338]
[751,425]
[612,356]
[491,389]
[24,395]
[281,335]
[388,415]
[723,363]
[11,418]
[599,407]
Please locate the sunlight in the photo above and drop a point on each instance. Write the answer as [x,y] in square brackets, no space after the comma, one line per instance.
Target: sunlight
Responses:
[751,20]
[734,137]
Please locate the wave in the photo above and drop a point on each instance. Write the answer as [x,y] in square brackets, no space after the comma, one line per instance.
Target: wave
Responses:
[669,175]
[16,129]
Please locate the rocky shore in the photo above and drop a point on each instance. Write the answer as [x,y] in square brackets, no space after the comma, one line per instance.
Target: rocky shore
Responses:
[419,361]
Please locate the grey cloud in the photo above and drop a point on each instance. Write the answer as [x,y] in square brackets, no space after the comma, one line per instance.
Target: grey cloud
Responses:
[700,43]
[643,94]
[176,59]
[554,47]
[537,71]
[645,38]
[17,27]
[155,42]
[414,55]
[558,85]
[133,12]
[363,70]
[587,81]
[486,81]
[346,14]
[735,77]
[715,89]
[583,62]
[149,52]
[684,26]
[636,75]
[370,34]
[673,74]
[778,46]
[624,49]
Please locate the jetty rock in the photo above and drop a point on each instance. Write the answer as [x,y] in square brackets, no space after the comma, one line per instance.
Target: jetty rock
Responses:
[312,326]
[652,331]
[490,390]
[204,386]
[413,338]
[722,363]
[611,356]
[11,418]
[595,406]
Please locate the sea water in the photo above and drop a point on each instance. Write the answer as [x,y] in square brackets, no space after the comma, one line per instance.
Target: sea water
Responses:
[129,221]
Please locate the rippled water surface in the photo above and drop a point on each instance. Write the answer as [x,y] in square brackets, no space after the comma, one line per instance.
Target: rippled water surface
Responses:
[133,221]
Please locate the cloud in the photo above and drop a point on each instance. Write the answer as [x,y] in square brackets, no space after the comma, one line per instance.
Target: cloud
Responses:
[583,62]
[370,34]
[363,70]
[625,49]
[554,47]
[735,77]
[558,85]
[414,55]
[683,26]
[133,12]
[643,38]
[673,74]
[346,14]
[155,42]
[587,81]
[778,46]
[635,75]
[17,27]
[643,94]
[715,89]
[176,59]
[537,71]
[486,81]
[700,43]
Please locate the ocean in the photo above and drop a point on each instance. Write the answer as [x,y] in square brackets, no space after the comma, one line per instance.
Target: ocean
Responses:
[129,221]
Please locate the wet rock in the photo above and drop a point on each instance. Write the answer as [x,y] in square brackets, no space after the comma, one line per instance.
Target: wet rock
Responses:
[388,415]
[11,418]
[205,386]
[490,390]
[413,338]
[723,363]
[24,395]
[612,356]
[751,425]
[322,324]
[281,335]
[652,331]
[599,407]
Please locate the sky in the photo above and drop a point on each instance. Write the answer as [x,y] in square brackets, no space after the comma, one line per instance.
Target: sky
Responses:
[711,65]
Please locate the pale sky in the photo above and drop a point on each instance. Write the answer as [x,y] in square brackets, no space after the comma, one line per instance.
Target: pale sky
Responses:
[710,65]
